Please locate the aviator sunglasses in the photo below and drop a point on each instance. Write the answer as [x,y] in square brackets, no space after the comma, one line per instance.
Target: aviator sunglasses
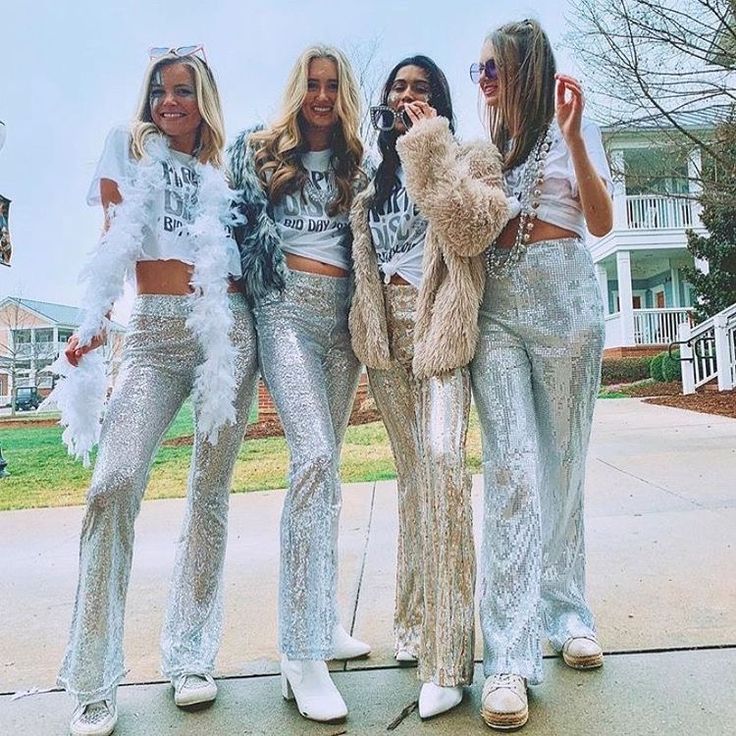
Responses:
[488,68]
[156,52]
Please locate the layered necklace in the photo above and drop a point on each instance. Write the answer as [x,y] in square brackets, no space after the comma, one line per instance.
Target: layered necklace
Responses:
[499,261]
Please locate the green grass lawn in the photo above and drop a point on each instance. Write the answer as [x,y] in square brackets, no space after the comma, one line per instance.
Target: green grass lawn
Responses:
[42,474]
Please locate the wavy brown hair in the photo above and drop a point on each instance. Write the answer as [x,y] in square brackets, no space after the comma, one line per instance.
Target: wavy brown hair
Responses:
[211,135]
[526,89]
[279,147]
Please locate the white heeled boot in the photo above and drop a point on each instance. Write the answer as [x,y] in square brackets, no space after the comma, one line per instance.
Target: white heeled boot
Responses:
[345,646]
[434,699]
[309,683]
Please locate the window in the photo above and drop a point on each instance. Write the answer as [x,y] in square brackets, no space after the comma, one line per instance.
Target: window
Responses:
[21,337]
[45,335]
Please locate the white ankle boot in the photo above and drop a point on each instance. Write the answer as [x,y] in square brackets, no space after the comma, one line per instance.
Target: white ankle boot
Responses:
[345,646]
[434,699]
[309,683]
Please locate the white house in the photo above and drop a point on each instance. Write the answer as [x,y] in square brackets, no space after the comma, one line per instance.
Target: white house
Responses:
[640,262]
[32,334]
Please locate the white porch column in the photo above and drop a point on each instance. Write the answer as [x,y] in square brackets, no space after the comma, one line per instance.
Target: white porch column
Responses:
[618,167]
[625,296]
[675,276]
[694,175]
[602,276]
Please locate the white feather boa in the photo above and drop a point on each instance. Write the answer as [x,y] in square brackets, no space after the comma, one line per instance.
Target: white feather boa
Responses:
[80,393]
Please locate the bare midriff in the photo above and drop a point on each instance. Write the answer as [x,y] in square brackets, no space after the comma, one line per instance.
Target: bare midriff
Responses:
[399,280]
[167,277]
[300,263]
[542,231]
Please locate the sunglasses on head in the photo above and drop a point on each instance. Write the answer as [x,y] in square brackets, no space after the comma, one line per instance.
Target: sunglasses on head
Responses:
[488,68]
[384,118]
[157,52]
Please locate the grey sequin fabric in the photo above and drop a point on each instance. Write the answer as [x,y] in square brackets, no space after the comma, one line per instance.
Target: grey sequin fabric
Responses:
[160,356]
[427,422]
[535,378]
[312,374]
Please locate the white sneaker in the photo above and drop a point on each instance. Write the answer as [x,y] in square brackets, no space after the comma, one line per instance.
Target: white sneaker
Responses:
[504,704]
[345,646]
[434,699]
[310,684]
[191,690]
[95,719]
[404,656]
[582,653]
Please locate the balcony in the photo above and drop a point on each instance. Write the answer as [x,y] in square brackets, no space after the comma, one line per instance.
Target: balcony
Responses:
[651,326]
[659,212]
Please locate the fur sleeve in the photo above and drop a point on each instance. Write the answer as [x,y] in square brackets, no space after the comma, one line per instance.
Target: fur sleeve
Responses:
[459,190]
[261,257]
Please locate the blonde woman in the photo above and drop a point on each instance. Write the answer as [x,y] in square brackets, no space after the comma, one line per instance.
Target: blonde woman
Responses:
[537,368]
[167,205]
[297,179]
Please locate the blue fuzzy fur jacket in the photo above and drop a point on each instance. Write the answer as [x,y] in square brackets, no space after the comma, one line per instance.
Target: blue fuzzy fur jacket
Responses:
[261,256]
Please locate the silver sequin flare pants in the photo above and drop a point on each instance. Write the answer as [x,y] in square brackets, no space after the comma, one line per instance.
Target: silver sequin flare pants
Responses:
[535,377]
[312,374]
[427,423]
[156,376]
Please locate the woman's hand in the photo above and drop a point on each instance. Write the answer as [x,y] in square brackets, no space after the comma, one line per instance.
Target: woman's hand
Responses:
[569,104]
[74,352]
[419,111]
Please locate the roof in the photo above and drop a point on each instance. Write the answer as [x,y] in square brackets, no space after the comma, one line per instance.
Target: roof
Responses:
[701,119]
[61,314]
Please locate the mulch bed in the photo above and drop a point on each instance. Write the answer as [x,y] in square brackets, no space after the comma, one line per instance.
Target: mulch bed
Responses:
[706,402]
[645,389]
[271,427]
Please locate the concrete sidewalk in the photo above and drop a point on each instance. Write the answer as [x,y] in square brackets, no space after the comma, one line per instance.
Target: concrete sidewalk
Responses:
[661,517]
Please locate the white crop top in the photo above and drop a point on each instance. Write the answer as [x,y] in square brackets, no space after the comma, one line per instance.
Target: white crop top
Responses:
[398,231]
[302,220]
[559,204]
[165,235]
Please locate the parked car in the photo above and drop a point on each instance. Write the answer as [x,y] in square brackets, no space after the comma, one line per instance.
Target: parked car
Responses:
[27,398]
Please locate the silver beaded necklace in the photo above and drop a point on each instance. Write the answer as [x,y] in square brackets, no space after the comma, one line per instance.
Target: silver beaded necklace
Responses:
[500,260]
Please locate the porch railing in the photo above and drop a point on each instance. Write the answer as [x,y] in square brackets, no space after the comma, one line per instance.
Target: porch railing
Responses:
[657,211]
[708,352]
[658,326]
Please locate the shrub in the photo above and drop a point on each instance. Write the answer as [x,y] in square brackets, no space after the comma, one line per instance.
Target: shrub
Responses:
[624,370]
[671,366]
[655,367]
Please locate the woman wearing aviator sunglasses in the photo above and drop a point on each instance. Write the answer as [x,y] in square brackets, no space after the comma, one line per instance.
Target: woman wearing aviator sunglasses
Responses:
[418,231]
[167,209]
[536,370]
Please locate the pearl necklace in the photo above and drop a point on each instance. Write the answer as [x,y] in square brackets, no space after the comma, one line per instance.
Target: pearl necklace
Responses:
[500,260]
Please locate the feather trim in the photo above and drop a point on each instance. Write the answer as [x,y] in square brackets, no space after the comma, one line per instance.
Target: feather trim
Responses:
[80,393]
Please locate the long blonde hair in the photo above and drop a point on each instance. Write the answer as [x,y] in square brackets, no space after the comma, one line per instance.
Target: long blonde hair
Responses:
[211,137]
[278,147]
[526,89]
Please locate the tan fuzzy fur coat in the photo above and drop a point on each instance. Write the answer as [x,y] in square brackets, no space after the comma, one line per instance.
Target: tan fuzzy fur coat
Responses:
[459,190]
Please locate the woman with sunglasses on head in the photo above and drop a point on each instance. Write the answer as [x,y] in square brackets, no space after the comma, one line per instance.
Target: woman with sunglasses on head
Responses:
[537,367]
[167,209]
[419,230]
[297,179]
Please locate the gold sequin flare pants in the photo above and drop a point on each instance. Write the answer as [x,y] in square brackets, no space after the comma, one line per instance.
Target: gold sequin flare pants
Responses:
[536,375]
[160,356]
[427,423]
[312,374]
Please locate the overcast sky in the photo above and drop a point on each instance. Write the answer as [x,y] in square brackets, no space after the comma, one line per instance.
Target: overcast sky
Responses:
[72,70]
